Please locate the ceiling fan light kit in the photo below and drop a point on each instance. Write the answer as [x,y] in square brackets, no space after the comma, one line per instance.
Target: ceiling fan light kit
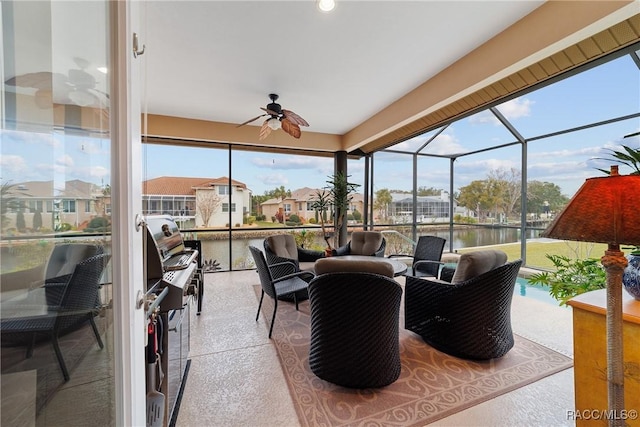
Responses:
[326,5]
[279,118]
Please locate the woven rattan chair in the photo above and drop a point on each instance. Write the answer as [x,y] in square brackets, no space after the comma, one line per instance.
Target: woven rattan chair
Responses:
[282,249]
[284,257]
[60,266]
[363,243]
[470,319]
[276,287]
[354,328]
[426,256]
[77,306]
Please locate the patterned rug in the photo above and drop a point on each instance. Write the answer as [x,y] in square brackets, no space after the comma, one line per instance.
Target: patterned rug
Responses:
[432,384]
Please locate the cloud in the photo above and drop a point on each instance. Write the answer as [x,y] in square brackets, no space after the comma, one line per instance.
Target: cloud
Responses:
[290,162]
[516,108]
[276,179]
[65,160]
[91,172]
[555,154]
[511,110]
[91,147]
[11,164]
[445,143]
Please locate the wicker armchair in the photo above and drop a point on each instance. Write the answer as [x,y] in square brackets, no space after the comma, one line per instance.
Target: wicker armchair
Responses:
[277,287]
[60,266]
[470,319]
[77,306]
[284,258]
[354,327]
[363,243]
[426,256]
[282,249]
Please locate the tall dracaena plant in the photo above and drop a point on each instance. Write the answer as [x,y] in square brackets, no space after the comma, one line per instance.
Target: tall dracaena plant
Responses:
[321,204]
[340,190]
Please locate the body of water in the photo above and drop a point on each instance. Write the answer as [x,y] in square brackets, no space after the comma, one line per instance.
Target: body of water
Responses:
[462,238]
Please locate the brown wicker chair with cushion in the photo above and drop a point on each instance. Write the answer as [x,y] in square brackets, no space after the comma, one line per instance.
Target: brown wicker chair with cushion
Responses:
[470,318]
[354,324]
[284,257]
[363,243]
[282,248]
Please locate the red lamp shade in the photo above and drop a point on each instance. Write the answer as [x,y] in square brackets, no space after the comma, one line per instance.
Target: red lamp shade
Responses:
[604,210]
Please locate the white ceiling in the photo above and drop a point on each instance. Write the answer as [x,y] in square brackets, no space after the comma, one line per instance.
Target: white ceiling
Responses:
[219,60]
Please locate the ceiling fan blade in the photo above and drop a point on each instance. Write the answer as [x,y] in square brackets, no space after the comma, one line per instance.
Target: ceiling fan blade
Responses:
[251,120]
[290,128]
[265,130]
[268,111]
[294,118]
[40,80]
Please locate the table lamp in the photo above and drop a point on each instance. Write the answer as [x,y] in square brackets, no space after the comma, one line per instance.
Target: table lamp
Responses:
[606,210]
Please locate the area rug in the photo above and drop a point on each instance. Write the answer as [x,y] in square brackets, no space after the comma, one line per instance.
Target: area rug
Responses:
[432,384]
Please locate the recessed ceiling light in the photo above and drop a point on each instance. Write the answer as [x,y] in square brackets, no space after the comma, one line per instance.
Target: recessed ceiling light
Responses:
[326,5]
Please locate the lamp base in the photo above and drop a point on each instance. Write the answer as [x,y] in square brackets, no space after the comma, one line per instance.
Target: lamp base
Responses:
[614,263]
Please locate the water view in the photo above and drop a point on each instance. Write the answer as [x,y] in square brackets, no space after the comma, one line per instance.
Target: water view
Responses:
[462,238]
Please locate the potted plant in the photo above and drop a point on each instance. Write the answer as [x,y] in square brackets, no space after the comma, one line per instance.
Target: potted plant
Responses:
[631,274]
[341,194]
[336,197]
[321,204]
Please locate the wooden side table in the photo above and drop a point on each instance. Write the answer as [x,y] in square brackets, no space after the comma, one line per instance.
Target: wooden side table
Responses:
[590,356]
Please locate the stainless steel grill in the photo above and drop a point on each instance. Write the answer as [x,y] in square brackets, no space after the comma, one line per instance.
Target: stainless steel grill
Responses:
[172,278]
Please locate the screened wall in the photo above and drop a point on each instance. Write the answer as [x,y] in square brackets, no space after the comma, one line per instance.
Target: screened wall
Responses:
[464,181]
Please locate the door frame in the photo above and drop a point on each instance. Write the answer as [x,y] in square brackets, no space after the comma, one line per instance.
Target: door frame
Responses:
[129,321]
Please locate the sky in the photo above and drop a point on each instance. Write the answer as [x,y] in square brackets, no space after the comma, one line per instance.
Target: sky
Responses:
[607,91]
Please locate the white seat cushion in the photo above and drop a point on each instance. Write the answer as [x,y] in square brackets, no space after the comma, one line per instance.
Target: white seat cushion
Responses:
[365,242]
[473,264]
[337,265]
[283,245]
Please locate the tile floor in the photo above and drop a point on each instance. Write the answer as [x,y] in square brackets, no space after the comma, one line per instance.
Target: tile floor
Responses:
[236,380]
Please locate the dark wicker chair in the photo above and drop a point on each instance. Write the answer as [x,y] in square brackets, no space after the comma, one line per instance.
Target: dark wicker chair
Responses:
[426,256]
[276,287]
[284,257]
[282,248]
[60,266]
[469,319]
[354,329]
[77,306]
[363,243]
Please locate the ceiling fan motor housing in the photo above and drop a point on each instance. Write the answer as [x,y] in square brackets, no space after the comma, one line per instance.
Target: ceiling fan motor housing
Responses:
[276,108]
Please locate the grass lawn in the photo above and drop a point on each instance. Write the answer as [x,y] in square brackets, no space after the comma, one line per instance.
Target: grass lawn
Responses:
[536,251]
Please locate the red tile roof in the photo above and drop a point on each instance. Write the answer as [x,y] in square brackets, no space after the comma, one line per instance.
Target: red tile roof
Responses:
[176,185]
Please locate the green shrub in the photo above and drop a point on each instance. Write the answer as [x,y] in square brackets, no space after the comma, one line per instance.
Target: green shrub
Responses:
[571,277]
[313,221]
[294,218]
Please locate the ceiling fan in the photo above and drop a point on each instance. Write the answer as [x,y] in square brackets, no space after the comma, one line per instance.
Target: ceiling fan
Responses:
[77,87]
[279,118]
